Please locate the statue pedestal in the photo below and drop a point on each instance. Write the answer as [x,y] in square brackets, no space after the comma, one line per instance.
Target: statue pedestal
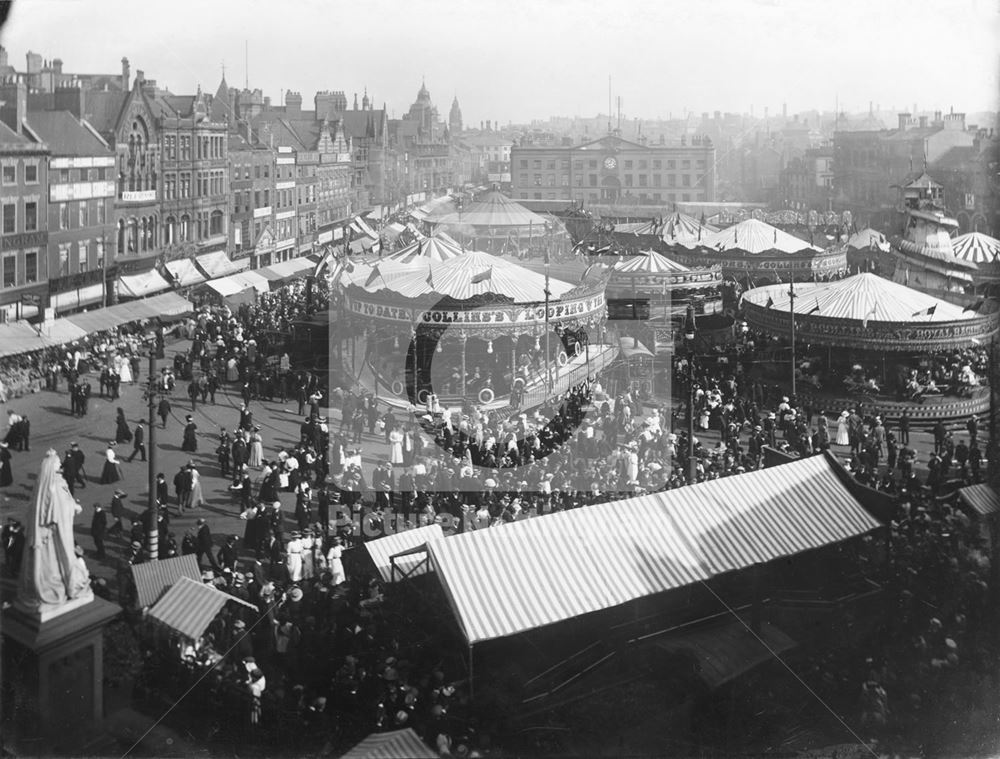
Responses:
[53,673]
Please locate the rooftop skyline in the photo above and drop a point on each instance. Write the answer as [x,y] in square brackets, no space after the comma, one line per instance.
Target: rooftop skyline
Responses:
[520,61]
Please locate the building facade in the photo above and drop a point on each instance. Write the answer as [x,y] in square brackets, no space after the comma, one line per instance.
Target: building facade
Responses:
[806,183]
[252,169]
[613,170]
[24,230]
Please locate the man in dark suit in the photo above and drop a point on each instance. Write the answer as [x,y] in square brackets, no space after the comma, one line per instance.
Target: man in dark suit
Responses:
[228,555]
[73,467]
[12,536]
[98,529]
[162,492]
[203,543]
[240,452]
[246,418]
[138,442]
[117,513]
[163,411]
[182,487]
[84,397]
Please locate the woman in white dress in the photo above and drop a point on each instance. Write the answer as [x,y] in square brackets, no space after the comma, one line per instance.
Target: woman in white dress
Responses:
[197,496]
[293,562]
[334,563]
[396,447]
[843,433]
[124,369]
[256,449]
[112,468]
[232,372]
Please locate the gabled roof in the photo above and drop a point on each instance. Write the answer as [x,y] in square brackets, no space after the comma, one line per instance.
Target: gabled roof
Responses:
[103,108]
[924,181]
[9,137]
[221,110]
[65,135]
[363,124]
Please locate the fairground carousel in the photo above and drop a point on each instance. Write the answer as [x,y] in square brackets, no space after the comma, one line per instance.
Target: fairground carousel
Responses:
[650,285]
[983,251]
[754,252]
[467,325]
[895,347]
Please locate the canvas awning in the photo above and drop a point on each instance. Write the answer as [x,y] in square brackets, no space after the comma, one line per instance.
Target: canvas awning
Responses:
[982,499]
[398,744]
[185,273]
[283,271]
[190,606]
[237,283]
[61,331]
[78,298]
[19,337]
[141,285]
[725,649]
[160,306]
[153,578]
[601,556]
[217,264]
[382,550]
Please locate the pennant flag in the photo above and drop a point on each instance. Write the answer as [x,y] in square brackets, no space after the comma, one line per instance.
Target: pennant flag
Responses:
[864,322]
[927,311]
[814,309]
[373,276]
[770,302]
[483,276]
[430,277]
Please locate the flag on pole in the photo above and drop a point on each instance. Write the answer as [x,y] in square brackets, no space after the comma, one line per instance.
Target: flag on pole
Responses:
[927,311]
[430,276]
[375,274]
[770,302]
[864,321]
[482,276]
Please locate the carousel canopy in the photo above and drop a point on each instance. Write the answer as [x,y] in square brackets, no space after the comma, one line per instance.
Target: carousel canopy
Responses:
[977,248]
[679,227]
[862,297]
[494,210]
[868,238]
[648,262]
[651,269]
[755,237]
[436,248]
[460,277]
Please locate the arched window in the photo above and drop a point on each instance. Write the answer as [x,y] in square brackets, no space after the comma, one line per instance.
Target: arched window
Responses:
[152,232]
[169,231]
[121,237]
[184,231]
[216,223]
[133,236]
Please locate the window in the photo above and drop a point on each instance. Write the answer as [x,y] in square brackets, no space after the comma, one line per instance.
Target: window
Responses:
[31,173]
[216,223]
[64,216]
[642,164]
[9,271]
[536,164]
[84,213]
[186,185]
[170,147]
[643,180]
[592,165]
[685,164]
[185,147]
[593,180]
[30,216]
[551,165]
[9,218]
[671,164]
[628,164]
[64,175]
[102,211]
[657,164]
[685,180]
[267,198]
[10,173]
[267,171]
[256,199]
[686,198]
[577,165]
[699,164]
[537,179]
[30,267]
[99,245]
[628,180]
[63,259]
[81,255]
[671,180]
[657,180]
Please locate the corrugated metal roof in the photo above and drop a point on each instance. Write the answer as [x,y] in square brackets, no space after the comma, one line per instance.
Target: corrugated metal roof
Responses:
[453,278]
[495,210]
[977,248]
[399,744]
[382,549]
[190,606]
[860,297]
[533,573]
[754,236]
[982,499]
[153,578]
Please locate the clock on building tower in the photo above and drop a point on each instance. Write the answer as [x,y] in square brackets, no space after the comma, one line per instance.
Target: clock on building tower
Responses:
[610,163]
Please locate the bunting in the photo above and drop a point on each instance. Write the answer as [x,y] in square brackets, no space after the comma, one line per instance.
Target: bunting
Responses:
[927,311]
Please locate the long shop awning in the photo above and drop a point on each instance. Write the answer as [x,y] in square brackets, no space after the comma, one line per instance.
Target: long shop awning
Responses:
[284,271]
[190,606]
[602,556]
[161,306]
[383,550]
[19,337]
[79,298]
[141,285]
[218,264]
[61,331]
[237,283]
[185,273]
[398,744]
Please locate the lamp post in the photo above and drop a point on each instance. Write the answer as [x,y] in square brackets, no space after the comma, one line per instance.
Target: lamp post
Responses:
[152,529]
[689,332]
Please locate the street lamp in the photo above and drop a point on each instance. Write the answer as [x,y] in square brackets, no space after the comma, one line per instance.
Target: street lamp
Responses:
[689,332]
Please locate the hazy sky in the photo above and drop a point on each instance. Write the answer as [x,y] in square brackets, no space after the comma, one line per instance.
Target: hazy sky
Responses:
[516,60]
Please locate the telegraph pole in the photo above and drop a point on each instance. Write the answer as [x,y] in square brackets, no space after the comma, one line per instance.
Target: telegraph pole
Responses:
[791,310]
[689,327]
[153,529]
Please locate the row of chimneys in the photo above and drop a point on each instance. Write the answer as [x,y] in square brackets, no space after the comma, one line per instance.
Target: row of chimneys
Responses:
[950,120]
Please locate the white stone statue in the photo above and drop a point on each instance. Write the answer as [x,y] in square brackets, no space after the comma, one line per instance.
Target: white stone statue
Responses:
[52,579]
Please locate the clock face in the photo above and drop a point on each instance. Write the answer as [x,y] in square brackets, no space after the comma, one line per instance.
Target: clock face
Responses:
[610,163]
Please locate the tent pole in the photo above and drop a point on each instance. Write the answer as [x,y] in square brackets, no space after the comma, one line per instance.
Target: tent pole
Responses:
[472,680]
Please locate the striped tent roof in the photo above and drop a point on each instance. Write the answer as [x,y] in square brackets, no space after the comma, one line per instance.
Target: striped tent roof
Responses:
[860,297]
[153,578]
[977,248]
[398,744]
[755,237]
[648,262]
[682,228]
[453,278]
[431,248]
[383,549]
[190,606]
[529,574]
[982,499]
[868,238]
[494,210]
